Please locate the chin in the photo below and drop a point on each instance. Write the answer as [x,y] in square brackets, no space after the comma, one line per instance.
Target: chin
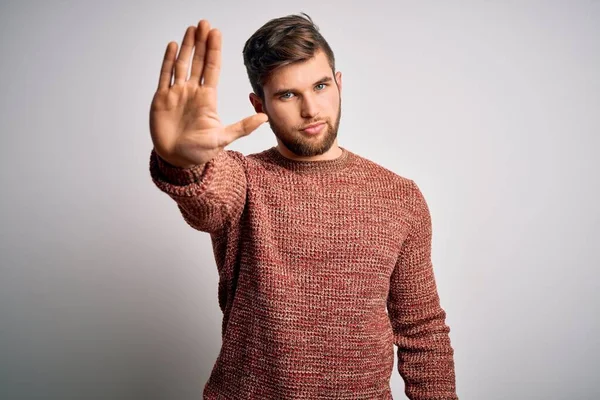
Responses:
[307,149]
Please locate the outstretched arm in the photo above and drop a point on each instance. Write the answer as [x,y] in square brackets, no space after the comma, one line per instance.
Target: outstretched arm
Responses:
[189,161]
[210,196]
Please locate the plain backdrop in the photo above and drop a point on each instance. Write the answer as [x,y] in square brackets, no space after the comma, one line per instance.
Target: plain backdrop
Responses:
[492,107]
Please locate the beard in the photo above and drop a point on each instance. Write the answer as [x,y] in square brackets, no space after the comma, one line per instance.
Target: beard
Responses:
[300,145]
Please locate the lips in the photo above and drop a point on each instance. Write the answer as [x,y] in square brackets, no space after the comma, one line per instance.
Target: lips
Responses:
[314,128]
[313,125]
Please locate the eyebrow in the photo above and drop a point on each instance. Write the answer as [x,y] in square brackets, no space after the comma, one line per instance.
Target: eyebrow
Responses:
[280,92]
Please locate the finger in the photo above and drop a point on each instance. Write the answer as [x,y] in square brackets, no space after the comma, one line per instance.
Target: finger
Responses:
[244,127]
[182,63]
[200,50]
[166,71]
[212,66]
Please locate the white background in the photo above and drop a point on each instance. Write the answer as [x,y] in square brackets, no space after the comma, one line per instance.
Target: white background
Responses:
[490,106]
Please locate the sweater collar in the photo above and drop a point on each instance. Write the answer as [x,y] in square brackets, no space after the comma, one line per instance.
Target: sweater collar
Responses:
[316,167]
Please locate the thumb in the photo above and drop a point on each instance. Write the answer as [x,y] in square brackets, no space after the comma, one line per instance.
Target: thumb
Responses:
[245,126]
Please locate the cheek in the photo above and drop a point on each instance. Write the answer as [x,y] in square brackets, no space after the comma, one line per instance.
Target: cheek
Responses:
[284,113]
[331,102]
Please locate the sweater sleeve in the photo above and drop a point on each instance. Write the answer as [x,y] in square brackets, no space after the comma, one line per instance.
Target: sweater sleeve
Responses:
[425,354]
[210,196]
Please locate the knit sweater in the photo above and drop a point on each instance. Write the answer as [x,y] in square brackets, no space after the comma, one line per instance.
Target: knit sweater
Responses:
[323,267]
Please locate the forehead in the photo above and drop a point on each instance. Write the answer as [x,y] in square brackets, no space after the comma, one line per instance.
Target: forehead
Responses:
[299,75]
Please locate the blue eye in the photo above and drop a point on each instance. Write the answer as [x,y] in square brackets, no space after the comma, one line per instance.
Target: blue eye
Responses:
[321,84]
[285,96]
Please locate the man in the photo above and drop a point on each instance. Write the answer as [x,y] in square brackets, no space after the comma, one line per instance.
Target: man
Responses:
[323,256]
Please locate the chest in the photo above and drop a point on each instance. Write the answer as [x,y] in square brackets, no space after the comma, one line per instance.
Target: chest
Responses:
[320,223]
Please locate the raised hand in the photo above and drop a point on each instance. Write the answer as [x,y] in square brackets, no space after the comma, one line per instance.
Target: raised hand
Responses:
[184,124]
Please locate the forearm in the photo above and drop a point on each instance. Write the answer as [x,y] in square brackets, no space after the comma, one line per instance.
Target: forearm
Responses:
[210,196]
[425,354]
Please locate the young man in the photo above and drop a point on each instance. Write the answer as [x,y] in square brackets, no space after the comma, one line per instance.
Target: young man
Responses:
[324,257]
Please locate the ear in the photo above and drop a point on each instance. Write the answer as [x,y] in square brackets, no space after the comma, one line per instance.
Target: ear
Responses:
[338,80]
[256,103]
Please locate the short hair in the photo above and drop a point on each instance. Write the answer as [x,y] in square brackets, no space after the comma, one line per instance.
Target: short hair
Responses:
[279,42]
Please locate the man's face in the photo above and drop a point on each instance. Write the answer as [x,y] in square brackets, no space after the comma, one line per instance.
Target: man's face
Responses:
[300,95]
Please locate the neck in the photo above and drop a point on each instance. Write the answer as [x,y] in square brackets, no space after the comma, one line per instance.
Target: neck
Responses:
[331,154]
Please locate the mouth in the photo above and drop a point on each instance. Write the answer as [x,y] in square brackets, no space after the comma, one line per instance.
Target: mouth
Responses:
[314,128]
[313,125]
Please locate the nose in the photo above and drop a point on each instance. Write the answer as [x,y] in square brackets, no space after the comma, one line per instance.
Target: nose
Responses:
[309,107]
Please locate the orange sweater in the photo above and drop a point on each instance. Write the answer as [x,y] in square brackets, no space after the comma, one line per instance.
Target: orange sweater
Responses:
[323,267]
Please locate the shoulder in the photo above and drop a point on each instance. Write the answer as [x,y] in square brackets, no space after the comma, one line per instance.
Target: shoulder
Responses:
[380,173]
[401,187]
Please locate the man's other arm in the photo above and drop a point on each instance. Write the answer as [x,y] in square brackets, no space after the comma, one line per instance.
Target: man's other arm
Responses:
[425,354]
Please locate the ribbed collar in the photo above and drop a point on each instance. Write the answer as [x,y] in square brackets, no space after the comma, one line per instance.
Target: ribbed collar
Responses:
[311,167]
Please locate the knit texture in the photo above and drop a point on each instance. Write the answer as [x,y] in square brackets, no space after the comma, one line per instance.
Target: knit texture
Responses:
[323,267]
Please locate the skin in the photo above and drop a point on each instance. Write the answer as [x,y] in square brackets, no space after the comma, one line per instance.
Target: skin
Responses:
[296,96]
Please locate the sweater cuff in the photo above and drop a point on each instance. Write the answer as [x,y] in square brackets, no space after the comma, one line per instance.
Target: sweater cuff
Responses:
[177,175]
